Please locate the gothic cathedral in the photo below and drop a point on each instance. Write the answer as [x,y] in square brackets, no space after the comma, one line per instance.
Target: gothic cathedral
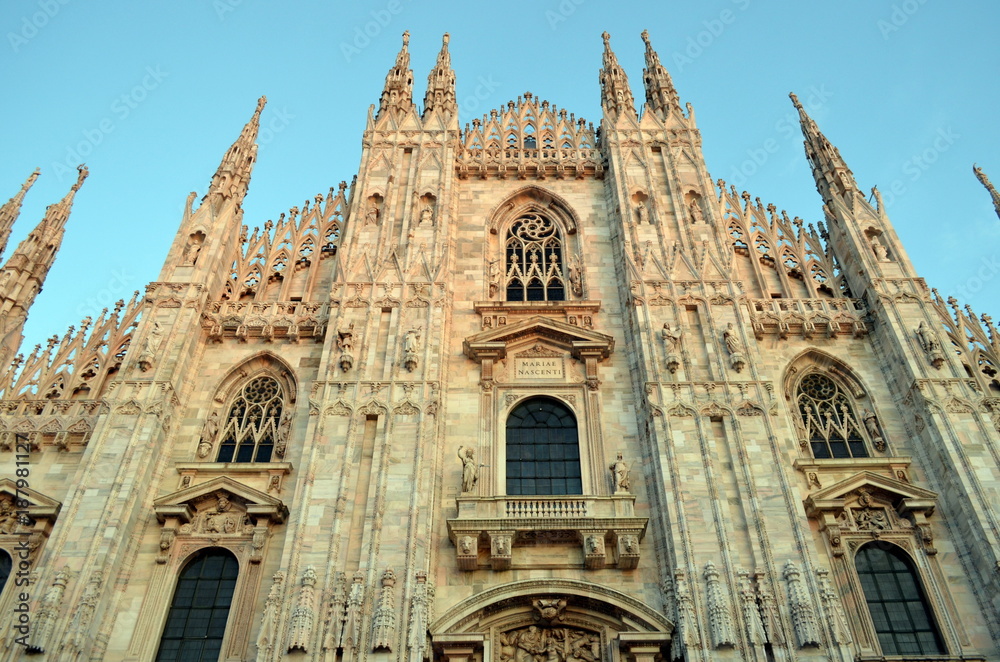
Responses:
[526,390]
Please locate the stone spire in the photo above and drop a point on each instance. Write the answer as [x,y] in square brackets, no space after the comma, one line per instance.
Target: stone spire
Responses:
[660,93]
[834,180]
[981,176]
[12,209]
[21,278]
[441,83]
[398,91]
[232,179]
[616,95]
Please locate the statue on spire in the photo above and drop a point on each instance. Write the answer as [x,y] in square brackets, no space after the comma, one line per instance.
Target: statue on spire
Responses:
[985,181]
[440,94]
[398,91]
[660,92]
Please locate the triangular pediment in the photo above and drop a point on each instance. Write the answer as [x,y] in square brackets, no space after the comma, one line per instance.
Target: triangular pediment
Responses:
[39,505]
[896,491]
[185,502]
[494,343]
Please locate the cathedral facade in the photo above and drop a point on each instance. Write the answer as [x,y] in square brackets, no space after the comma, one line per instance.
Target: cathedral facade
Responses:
[526,391]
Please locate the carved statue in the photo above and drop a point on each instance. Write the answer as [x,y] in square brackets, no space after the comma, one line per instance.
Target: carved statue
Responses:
[871,425]
[881,252]
[8,517]
[345,338]
[671,338]
[411,342]
[191,251]
[732,339]
[211,428]
[217,520]
[619,475]
[537,644]
[575,278]
[494,276]
[871,519]
[147,355]
[372,215]
[426,215]
[694,210]
[640,213]
[470,471]
[284,428]
[931,345]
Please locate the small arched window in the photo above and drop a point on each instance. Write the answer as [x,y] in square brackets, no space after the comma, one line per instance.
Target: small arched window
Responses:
[6,566]
[829,419]
[534,260]
[899,610]
[251,428]
[196,624]
[543,450]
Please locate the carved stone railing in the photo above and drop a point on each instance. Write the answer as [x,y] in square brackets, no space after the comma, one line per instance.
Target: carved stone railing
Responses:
[268,320]
[531,163]
[808,317]
[492,526]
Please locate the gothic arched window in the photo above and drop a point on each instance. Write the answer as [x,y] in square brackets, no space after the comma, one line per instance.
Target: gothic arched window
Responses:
[899,610]
[251,429]
[196,624]
[543,451]
[534,260]
[829,419]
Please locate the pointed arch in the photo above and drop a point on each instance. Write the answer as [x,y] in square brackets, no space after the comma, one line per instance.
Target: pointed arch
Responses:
[533,198]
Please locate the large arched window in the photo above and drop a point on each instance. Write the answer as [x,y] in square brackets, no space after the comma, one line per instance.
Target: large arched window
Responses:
[196,623]
[6,565]
[899,611]
[251,429]
[829,419]
[543,451]
[534,260]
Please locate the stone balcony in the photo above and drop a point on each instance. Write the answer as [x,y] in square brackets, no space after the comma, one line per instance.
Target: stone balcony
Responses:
[497,525]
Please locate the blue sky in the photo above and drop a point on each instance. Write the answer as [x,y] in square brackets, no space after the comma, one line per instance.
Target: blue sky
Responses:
[150,95]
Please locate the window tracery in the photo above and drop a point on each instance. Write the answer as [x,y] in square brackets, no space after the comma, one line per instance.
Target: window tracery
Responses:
[827,414]
[255,425]
[534,260]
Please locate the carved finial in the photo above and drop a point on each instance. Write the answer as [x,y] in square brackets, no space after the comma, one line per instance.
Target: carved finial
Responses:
[985,181]
[795,100]
[607,39]
[406,38]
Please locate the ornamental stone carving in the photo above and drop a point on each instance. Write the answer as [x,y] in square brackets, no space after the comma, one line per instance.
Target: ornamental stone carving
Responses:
[534,644]
[384,620]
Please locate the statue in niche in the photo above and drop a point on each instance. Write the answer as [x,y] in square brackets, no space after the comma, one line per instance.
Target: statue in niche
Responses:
[640,212]
[494,276]
[427,215]
[695,212]
[411,345]
[881,252]
[470,470]
[372,214]
[931,345]
[619,475]
[147,355]
[732,339]
[671,338]
[345,338]
[191,250]
[871,425]
[284,428]
[576,276]
[208,434]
